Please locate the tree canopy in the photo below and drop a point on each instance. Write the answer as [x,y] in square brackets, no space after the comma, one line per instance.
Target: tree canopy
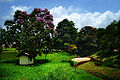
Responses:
[87,40]
[66,33]
[33,30]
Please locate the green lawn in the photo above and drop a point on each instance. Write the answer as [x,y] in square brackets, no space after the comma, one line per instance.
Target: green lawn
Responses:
[57,67]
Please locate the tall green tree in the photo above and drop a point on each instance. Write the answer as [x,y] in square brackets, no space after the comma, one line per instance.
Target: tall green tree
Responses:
[66,33]
[109,37]
[87,41]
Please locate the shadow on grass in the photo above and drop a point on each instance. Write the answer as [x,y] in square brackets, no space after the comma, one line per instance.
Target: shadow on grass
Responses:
[16,61]
[41,61]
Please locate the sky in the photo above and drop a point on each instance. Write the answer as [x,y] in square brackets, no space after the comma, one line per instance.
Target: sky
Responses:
[96,13]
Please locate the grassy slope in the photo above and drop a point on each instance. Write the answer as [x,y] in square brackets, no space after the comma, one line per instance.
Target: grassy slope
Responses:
[106,72]
[57,68]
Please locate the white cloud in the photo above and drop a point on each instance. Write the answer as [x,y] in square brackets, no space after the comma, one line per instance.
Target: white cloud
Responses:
[72,9]
[6,0]
[59,12]
[84,18]
[13,9]
[21,8]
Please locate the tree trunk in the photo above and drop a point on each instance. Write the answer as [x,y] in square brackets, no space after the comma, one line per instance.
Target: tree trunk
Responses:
[45,57]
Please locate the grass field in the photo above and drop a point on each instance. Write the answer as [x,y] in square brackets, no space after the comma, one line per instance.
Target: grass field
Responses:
[57,67]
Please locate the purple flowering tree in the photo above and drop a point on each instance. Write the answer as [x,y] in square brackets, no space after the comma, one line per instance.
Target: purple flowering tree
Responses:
[33,31]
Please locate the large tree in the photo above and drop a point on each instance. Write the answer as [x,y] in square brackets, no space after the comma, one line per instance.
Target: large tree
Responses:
[87,41]
[33,31]
[109,38]
[66,33]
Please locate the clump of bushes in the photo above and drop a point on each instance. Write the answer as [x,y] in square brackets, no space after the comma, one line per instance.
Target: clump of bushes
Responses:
[108,63]
[113,62]
[74,63]
[109,58]
[70,48]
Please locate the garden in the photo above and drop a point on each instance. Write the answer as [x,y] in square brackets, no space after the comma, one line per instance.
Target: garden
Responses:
[31,48]
[57,67]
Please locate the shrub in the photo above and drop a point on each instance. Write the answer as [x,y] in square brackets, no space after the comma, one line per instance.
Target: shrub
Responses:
[112,62]
[70,48]
[108,63]
[74,63]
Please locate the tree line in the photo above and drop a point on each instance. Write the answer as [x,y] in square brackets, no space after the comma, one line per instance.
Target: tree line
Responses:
[88,40]
[36,30]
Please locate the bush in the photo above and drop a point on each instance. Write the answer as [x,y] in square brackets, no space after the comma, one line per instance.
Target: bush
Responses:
[114,63]
[74,63]
[108,63]
[70,48]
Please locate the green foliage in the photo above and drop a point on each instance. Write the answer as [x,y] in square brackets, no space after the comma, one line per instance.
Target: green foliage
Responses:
[108,40]
[108,63]
[74,63]
[103,53]
[3,36]
[110,59]
[112,62]
[66,33]
[87,41]
[70,48]
[91,40]
[32,31]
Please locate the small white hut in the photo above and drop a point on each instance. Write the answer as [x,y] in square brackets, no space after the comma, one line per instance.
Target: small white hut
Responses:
[26,59]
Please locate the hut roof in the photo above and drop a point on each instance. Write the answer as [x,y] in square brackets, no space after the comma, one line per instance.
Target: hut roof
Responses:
[27,54]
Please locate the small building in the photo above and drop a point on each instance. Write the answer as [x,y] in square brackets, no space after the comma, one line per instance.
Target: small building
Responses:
[26,59]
